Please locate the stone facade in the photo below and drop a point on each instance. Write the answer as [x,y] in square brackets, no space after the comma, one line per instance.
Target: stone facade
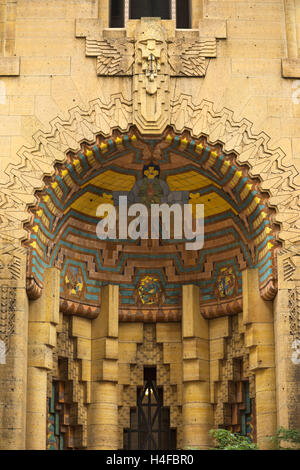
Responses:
[82,108]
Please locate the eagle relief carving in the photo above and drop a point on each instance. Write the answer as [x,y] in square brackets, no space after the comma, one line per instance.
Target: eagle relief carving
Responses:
[151,53]
[114,56]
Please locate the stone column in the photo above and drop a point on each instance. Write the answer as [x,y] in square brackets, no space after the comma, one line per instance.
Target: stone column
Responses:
[259,337]
[287,337]
[13,346]
[43,318]
[197,413]
[103,410]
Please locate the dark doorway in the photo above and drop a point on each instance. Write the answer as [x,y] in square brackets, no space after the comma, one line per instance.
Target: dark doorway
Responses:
[150,420]
[150,8]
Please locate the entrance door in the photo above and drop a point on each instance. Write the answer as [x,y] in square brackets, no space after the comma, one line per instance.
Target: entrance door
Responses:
[150,420]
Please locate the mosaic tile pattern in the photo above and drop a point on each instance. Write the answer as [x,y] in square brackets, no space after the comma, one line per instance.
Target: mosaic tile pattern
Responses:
[238,226]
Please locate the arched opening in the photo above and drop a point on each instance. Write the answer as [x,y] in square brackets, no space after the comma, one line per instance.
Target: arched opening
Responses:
[239,233]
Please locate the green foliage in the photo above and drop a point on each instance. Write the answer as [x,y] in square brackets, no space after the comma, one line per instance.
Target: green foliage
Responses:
[229,441]
[289,437]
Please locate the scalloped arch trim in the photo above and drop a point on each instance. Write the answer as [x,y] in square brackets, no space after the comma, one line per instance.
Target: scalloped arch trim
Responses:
[278,177]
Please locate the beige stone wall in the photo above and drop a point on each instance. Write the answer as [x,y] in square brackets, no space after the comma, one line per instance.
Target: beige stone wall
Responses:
[55,75]
[246,76]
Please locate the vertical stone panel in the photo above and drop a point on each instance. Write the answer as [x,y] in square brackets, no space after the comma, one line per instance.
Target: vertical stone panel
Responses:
[291,29]
[7,27]
[259,337]
[103,12]
[197,416]
[13,336]
[287,336]
[43,317]
[103,410]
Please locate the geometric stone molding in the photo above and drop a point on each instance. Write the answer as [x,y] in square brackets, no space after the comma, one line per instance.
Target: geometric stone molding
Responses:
[26,176]
[278,177]
[289,280]
[288,337]
[289,259]
[151,51]
[294,308]
[7,319]
[12,276]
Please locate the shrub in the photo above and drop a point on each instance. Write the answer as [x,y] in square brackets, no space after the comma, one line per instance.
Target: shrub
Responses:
[289,437]
[231,441]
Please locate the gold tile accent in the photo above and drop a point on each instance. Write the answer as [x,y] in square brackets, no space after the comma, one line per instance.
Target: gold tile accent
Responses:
[113,181]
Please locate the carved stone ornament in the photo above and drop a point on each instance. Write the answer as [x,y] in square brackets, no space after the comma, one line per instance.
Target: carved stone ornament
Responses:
[289,282]
[12,278]
[151,53]
[289,262]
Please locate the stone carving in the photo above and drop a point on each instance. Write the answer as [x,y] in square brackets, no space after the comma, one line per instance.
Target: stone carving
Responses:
[9,267]
[151,53]
[12,276]
[151,85]
[10,263]
[153,41]
[188,59]
[289,260]
[27,175]
[291,268]
[114,56]
[7,315]
[294,312]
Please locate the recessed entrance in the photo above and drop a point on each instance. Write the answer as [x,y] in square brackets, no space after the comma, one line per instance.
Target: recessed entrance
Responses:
[150,420]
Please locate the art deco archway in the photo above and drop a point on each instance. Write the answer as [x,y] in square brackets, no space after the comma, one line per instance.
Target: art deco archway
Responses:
[239,228]
[246,186]
[277,175]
